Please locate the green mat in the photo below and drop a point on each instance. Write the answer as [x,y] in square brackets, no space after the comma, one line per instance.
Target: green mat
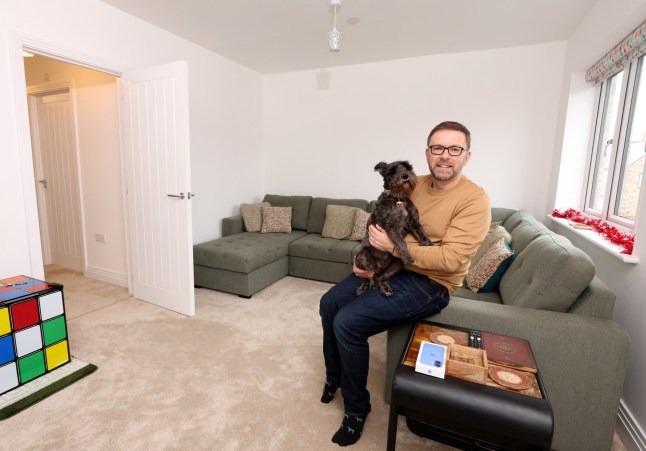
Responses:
[29,394]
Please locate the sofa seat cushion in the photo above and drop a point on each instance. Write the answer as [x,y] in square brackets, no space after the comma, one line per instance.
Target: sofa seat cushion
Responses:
[550,274]
[314,246]
[244,252]
[463,292]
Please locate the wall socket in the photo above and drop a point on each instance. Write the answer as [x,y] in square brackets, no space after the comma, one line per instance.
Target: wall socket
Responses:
[100,238]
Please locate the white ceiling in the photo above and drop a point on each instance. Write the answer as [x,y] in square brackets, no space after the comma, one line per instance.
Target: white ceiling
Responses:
[273,36]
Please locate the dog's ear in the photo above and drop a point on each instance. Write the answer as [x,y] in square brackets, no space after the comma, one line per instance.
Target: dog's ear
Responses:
[381,167]
[407,165]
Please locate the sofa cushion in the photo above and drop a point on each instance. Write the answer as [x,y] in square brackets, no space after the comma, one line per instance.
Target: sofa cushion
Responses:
[319,206]
[549,274]
[314,246]
[525,232]
[252,216]
[360,225]
[243,252]
[496,232]
[339,220]
[300,208]
[276,219]
[485,275]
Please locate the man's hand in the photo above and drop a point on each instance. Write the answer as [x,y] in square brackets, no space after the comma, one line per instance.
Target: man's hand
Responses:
[362,273]
[379,239]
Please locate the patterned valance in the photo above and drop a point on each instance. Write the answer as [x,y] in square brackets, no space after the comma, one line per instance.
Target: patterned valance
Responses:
[627,50]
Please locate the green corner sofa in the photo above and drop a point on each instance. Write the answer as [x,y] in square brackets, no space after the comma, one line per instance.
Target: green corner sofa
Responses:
[548,295]
[244,263]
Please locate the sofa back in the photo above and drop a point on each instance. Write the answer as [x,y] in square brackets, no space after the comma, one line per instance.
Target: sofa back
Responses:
[550,273]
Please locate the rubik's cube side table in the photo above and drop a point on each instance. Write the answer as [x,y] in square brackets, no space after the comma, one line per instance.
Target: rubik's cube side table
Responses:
[33,330]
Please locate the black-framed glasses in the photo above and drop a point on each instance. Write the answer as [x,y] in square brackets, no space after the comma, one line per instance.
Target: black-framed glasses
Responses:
[454,151]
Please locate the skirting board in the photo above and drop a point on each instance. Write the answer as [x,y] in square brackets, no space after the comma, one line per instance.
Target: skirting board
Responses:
[106,275]
[629,431]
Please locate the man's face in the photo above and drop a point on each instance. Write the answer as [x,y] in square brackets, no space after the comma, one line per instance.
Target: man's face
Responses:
[446,167]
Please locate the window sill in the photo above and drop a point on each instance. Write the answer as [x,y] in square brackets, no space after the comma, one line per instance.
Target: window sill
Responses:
[597,240]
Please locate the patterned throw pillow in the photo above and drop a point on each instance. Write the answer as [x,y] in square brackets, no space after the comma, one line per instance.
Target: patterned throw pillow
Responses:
[276,219]
[339,220]
[485,275]
[252,216]
[496,231]
[360,224]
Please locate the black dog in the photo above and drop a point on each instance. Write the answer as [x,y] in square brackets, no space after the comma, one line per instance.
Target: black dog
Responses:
[397,215]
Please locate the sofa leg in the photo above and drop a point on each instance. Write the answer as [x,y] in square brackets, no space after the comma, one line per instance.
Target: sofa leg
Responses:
[243,296]
[198,286]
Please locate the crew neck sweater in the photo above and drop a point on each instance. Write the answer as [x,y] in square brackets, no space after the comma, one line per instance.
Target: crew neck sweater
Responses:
[456,221]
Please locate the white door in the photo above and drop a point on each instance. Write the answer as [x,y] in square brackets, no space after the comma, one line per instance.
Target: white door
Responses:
[57,180]
[155,133]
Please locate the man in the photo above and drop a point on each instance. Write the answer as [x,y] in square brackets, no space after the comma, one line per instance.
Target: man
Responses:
[456,215]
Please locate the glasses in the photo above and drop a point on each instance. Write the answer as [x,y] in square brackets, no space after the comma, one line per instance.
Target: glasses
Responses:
[454,151]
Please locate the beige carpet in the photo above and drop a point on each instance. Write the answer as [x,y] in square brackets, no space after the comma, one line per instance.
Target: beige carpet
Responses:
[240,375]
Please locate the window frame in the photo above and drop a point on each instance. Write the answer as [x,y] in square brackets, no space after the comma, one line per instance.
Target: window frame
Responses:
[619,148]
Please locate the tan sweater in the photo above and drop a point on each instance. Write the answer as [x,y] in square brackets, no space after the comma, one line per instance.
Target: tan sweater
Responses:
[457,221]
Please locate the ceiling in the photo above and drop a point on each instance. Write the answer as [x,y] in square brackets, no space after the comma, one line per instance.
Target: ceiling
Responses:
[273,36]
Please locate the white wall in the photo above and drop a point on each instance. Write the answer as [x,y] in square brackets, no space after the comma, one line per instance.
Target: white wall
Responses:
[607,23]
[225,112]
[326,140]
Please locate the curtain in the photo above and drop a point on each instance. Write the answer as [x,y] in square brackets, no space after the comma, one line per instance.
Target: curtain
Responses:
[627,50]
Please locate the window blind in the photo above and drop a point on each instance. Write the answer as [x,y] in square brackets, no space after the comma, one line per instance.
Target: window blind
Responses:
[633,46]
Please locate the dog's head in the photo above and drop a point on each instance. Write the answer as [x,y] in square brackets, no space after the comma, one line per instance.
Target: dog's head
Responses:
[399,176]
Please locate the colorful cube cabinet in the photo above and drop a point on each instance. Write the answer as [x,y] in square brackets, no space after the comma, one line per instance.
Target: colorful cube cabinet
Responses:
[33,331]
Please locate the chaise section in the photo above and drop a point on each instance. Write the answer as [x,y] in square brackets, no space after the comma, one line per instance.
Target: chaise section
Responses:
[243,263]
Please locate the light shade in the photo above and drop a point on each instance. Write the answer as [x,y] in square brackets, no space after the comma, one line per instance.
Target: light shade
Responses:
[334,39]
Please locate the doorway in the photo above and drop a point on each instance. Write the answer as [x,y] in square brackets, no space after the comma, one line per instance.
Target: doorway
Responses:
[74,124]
[152,105]
[53,138]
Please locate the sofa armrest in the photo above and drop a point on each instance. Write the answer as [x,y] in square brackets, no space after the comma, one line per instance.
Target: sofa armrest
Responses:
[582,361]
[232,225]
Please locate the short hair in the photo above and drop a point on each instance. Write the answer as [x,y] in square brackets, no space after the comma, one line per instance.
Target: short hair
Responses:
[450,125]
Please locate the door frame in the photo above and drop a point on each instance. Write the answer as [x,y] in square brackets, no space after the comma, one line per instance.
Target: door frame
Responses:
[18,42]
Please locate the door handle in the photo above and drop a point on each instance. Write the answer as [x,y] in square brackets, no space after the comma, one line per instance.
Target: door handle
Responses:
[191,194]
[180,195]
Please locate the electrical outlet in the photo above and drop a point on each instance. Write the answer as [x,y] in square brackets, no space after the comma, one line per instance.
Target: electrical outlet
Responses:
[100,238]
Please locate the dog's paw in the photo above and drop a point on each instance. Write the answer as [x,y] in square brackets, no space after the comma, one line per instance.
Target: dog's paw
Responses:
[407,260]
[386,291]
[362,289]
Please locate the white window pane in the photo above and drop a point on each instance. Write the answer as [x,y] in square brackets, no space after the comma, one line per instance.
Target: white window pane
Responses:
[634,153]
[609,111]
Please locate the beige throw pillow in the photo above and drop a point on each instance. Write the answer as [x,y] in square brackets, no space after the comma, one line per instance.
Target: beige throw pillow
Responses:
[360,224]
[485,275]
[276,219]
[252,216]
[339,220]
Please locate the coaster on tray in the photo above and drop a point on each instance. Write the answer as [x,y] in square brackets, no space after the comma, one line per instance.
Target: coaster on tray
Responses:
[509,378]
[443,338]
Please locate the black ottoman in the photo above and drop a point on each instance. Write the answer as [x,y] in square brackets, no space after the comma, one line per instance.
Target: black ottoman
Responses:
[468,415]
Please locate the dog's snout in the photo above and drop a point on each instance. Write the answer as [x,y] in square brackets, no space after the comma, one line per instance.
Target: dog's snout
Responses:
[405,176]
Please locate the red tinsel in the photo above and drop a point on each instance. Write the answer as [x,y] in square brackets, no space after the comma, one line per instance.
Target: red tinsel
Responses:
[610,233]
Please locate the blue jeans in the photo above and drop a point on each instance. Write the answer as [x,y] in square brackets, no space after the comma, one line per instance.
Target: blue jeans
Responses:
[348,320]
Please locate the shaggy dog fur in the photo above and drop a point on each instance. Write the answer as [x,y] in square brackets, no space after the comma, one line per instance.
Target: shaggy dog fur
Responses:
[397,215]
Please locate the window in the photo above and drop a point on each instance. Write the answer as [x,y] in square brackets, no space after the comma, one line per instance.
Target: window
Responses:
[619,147]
